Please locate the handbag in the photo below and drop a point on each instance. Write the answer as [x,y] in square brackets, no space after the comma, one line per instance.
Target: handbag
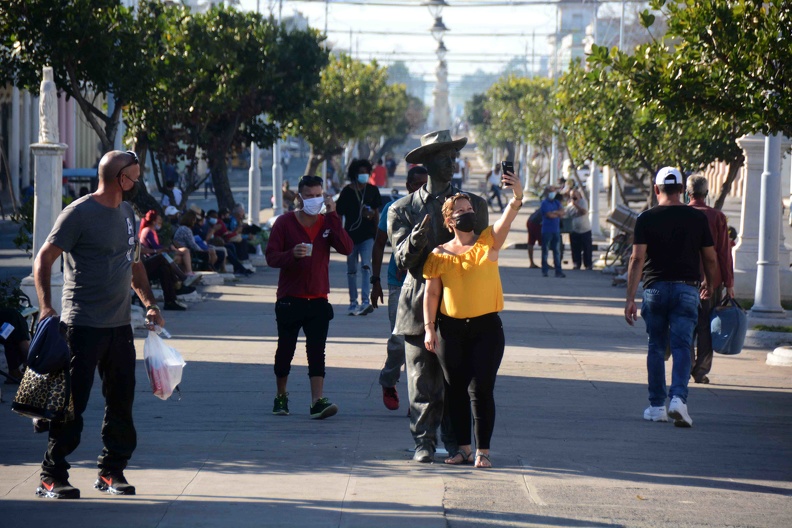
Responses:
[45,396]
[728,326]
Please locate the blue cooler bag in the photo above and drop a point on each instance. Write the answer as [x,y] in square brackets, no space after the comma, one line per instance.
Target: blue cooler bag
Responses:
[728,325]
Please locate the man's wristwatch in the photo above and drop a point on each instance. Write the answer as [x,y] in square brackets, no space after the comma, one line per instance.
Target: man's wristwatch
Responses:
[152,307]
[372,280]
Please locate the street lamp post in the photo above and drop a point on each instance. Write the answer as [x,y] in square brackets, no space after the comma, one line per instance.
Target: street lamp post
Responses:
[442,112]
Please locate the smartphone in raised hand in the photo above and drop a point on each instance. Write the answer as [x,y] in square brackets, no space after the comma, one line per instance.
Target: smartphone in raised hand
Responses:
[506,166]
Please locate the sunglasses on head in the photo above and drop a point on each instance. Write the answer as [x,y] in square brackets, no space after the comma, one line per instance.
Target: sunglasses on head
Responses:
[134,161]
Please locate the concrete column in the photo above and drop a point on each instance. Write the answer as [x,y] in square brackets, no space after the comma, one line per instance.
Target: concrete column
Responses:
[34,121]
[767,298]
[25,143]
[254,185]
[594,192]
[746,252]
[615,199]
[277,179]
[528,157]
[71,134]
[14,144]
[48,168]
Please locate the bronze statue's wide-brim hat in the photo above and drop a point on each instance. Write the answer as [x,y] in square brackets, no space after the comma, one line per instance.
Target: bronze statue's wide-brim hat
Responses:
[434,142]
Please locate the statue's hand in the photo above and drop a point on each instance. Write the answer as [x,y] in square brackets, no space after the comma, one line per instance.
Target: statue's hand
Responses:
[419,236]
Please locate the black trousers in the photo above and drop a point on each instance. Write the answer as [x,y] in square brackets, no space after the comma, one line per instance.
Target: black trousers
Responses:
[470,352]
[313,316]
[701,351]
[112,350]
[581,249]
[158,268]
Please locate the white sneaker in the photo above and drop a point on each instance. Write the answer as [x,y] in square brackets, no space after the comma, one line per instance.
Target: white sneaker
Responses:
[677,410]
[352,310]
[365,309]
[656,414]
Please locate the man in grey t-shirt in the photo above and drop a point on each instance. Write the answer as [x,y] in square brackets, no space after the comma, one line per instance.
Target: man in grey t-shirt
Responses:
[97,235]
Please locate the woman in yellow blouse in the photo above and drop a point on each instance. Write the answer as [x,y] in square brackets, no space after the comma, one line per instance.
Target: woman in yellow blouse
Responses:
[464,282]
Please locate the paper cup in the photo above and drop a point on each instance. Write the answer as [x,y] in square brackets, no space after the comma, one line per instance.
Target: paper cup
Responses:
[309,249]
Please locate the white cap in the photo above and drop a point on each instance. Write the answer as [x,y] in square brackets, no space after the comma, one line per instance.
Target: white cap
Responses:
[668,176]
[171,210]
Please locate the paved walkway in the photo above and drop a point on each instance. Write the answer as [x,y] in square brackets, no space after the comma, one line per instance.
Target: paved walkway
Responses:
[570,447]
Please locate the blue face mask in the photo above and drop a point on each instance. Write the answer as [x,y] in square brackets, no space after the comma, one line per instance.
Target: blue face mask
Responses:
[363,178]
[551,195]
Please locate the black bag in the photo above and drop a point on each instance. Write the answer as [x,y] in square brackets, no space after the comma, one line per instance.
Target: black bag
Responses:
[536,217]
[45,396]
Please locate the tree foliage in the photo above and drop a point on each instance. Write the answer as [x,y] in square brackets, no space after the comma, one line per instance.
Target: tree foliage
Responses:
[355,101]
[92,46]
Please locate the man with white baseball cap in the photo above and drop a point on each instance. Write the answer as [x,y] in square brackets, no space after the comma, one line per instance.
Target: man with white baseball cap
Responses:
[671,241]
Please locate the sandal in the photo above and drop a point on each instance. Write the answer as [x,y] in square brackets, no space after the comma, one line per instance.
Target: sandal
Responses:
[486,457]
[460,458]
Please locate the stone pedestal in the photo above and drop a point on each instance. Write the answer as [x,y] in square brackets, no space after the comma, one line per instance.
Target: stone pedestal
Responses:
[746,253]
[48,168]
[780,357]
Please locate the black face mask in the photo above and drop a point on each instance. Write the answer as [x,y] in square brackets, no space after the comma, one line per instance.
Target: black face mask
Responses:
[466,222]
[129,195]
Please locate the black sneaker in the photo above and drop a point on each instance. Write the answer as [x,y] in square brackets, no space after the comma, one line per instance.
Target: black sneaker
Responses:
[114,483]
[51,488]
[185,290]
[173,305]
[323,409]
[281,406]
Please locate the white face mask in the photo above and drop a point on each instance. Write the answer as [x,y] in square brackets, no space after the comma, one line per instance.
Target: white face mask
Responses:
[551,195]
[312,206]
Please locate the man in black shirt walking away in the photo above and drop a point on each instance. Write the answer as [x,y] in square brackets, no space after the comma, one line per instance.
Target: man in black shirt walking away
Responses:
[671,242]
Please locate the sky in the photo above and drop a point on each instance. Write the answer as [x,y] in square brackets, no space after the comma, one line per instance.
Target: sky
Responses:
[466,53]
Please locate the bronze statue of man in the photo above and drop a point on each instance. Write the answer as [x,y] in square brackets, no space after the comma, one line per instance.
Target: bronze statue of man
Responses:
[415,228]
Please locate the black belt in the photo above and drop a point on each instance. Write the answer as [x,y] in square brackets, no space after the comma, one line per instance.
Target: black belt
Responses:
[695,284]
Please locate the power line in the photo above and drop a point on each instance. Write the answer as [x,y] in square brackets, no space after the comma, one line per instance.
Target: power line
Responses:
[446,36]
[474,3]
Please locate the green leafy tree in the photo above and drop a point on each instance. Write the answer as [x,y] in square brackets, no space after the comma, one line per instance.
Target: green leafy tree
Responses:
[354,102]
[92,46]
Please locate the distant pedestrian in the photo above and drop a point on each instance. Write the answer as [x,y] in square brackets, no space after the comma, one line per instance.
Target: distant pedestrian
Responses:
[97,235]
[552,212]
[390,166]
[379,175]
[299,245]
[534,227]
[461,305]
[359,204]
[172,196]
[671,242]
[698,189]
[580,234]
[494,183]
[390,373]
[456,179]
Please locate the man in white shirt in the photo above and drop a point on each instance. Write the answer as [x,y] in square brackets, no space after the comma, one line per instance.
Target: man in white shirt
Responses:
[456,179]
[580,236]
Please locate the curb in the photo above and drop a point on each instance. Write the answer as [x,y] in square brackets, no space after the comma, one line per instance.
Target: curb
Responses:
[765,339]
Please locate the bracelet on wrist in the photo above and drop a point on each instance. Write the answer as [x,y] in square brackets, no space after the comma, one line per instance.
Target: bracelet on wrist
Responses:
[153,307]
[430,323]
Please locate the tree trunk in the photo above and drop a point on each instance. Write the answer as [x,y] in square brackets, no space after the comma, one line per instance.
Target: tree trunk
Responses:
[387,146]
[144,202]
[734,170]
[219,168]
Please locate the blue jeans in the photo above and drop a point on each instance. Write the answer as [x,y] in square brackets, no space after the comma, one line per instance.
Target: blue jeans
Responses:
[670,310]
[361,252]
[551,241]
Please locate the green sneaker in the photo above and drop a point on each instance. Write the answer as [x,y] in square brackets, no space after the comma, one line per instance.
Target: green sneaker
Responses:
[323,409]
[281,406]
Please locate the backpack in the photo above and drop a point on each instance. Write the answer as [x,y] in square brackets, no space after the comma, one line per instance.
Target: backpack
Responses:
[536,217]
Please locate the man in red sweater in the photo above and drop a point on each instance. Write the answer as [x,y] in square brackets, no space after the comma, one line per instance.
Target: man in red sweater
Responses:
[299,245]
[701,356]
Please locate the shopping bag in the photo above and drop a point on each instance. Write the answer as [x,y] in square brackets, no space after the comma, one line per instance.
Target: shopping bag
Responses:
[164,366]
[48,351]
[728,326]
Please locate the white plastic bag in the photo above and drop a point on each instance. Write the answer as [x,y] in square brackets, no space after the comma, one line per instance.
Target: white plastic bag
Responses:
[164,366]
